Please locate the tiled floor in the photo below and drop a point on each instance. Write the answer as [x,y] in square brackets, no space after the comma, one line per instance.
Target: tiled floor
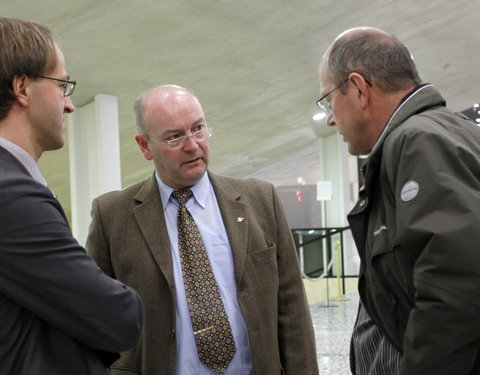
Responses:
[333,322]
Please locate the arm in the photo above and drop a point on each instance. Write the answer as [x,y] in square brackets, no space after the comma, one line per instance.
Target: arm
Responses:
[295,330]
[439,229]
[96,244]
[46,271]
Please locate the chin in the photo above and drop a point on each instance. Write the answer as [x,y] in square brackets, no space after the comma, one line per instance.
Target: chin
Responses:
[58,144]
[354,151]
[197,176]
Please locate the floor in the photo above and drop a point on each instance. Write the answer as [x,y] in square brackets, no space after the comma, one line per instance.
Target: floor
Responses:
[333,322]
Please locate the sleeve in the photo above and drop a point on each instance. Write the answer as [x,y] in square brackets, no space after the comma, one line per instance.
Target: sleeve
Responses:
[439,228]
[45,270]
[96,244]
[295,328]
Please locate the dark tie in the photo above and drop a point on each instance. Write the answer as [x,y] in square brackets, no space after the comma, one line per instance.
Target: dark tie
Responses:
[211,327]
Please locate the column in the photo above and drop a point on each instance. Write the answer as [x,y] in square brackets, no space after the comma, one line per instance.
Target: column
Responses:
[341,168]
[94,146]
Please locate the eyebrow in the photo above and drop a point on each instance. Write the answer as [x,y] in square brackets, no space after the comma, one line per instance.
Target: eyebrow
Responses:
[198,122]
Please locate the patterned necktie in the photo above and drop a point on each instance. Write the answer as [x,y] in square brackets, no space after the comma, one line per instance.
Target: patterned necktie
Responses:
[211,327]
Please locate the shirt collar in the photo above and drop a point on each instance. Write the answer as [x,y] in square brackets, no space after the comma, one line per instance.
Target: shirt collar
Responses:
[200,190]
[25,158]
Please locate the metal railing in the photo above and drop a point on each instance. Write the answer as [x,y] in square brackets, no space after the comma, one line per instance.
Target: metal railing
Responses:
[321,253]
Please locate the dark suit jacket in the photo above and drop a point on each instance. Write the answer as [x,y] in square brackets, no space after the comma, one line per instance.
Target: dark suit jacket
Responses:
[128,239]
[59,314]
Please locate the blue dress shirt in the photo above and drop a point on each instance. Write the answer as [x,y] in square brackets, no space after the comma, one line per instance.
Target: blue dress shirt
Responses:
[204,209]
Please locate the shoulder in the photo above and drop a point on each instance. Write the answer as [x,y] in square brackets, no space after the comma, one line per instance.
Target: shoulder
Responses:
[259,196]
[26,202]
[240,185]
[431,142]
[10,166]
[16,181]
[127,194]
[435,126]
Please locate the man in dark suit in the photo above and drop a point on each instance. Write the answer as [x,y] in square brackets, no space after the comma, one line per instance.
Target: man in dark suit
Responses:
[59,313]
[134,237]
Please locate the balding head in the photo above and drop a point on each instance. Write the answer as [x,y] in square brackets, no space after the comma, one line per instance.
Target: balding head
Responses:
[375,54]
[160,102]
[364,75]
[174,134]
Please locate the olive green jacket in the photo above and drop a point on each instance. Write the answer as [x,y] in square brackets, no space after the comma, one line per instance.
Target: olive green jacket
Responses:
[417,230]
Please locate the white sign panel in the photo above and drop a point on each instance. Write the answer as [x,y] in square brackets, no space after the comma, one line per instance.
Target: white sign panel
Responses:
[324,190]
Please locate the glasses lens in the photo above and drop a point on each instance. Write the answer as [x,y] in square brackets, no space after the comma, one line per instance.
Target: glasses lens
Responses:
[325,107]
[69,88]
[201,135]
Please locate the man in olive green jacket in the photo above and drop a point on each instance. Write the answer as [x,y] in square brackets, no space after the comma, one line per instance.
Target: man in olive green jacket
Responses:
[417,221]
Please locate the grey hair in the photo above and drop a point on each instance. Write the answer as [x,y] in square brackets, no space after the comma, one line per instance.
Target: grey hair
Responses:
[378,56]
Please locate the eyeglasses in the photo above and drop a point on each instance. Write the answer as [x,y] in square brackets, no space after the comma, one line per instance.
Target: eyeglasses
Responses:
[68,86]
[325,105]
[175,142]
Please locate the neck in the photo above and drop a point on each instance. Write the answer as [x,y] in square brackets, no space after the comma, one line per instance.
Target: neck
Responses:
[382,109]
[16,130]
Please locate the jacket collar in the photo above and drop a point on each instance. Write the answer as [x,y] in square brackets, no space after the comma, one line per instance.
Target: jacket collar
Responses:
[231,207]
[421,98]
[149,215]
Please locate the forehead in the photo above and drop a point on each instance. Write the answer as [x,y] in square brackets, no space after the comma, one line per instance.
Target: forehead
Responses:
[324,76]
[59,61]
[173,110]
[325,86]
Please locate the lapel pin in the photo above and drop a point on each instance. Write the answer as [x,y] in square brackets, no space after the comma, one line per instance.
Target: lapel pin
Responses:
[239,219]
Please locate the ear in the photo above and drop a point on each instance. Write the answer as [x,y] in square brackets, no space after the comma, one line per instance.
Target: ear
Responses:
[21,89]
[142,142]
[363,88]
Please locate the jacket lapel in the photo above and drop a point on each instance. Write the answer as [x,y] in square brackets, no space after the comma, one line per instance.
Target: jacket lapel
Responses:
[151,221]
[235,221]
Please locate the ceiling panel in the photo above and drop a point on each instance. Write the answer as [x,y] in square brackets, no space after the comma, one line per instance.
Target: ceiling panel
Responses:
[253,65]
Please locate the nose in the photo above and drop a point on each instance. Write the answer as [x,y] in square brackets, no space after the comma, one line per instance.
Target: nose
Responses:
[330,120]
[68,107]
[190,144]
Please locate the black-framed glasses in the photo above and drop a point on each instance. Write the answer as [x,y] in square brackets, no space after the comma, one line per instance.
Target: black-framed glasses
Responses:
[325,105]
[68,86]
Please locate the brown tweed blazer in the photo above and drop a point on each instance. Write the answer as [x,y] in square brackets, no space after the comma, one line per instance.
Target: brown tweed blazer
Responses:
[129,241]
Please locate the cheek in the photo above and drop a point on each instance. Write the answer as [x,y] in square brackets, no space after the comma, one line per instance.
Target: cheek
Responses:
[205,149]
[169,159]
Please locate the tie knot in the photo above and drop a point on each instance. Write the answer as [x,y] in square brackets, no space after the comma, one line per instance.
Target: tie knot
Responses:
[182,195]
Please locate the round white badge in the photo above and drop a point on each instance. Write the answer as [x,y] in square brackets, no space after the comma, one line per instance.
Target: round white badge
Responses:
[409,191]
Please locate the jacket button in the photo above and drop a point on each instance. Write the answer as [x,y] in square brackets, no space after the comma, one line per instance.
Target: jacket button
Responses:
[362,203]
[173,333]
